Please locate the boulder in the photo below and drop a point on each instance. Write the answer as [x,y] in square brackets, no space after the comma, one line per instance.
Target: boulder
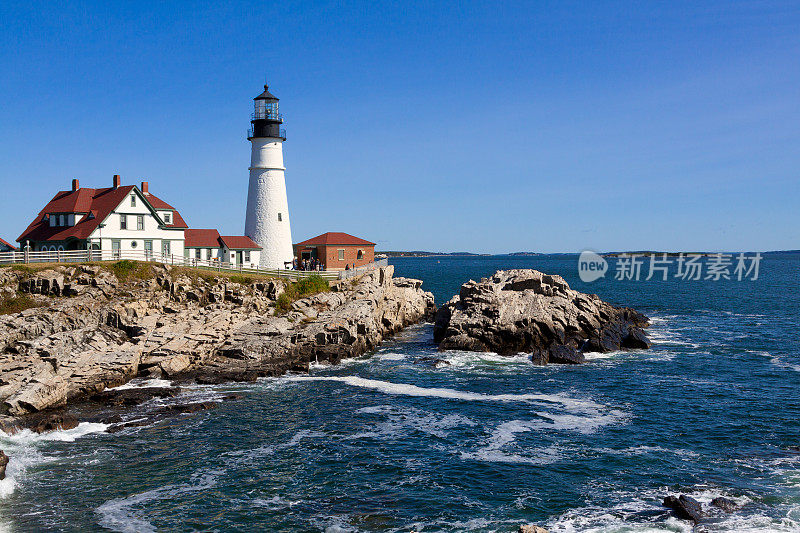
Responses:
[530,528]
[684,507]
[527,311]
[726,504]
[3,464]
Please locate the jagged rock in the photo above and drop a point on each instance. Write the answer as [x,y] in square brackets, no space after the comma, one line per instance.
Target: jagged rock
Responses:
[112,331]
[726,504]
[565,355]
[49,421]
[3,464]
[526,311]
[531,529]
[684,507]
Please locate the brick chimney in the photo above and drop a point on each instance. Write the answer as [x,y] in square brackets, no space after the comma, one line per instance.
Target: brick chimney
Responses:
[117,181]
[75,184]
[144,188]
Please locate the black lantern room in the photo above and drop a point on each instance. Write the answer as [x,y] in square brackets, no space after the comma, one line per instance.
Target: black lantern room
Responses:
[266,120]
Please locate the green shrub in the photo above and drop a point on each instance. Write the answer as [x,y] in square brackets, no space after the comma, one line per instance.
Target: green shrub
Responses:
[242,280]
[294,291]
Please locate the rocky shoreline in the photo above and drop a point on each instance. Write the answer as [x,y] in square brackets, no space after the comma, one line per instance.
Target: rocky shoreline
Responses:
[92,330]
[527,311]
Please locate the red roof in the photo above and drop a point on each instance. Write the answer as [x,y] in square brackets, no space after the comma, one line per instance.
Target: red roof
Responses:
[4,243]
[334,238]
[99,202]
[158,203]
[239,243]
[201,238]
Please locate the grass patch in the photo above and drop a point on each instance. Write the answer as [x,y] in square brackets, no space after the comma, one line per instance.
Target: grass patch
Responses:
[242,280]
[294,291]
[127,269]
[17,304]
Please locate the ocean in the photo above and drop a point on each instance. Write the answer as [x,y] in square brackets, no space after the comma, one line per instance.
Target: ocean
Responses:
[412,439]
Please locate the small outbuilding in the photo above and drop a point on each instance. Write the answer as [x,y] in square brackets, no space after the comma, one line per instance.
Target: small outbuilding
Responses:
[336,251]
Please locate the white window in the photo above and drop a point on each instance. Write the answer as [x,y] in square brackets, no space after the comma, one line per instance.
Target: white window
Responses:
[197,253]
[247,256]
[341,255]
[140,222]
[168,218]
[133,200]
[123,222]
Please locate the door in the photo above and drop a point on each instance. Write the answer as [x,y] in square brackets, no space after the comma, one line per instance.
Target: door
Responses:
[239,257]
[166,249]
[115,248]
[148,250]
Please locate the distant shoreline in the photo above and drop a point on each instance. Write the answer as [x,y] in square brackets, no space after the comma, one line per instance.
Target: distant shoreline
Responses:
[534,254]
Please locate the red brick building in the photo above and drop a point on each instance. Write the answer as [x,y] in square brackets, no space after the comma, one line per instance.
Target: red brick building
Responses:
[336,250]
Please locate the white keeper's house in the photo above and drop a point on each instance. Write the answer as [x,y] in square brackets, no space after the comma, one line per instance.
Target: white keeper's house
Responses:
[127,221]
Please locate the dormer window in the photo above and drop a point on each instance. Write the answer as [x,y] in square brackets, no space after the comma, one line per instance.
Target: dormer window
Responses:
[60,220]
[133,200]
[52,220]
[167,218]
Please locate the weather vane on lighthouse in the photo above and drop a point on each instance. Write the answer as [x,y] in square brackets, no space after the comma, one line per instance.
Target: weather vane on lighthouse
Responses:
[267,219]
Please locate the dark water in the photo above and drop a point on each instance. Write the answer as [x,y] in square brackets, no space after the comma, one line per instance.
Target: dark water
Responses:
[392,442]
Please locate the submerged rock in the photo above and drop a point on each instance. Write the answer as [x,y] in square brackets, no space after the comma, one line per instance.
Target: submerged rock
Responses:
[532,529]
[684,507]
[134,396]
[726,504]
[530,312]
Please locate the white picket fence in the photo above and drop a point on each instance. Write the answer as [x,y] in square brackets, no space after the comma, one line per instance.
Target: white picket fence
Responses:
[80,256]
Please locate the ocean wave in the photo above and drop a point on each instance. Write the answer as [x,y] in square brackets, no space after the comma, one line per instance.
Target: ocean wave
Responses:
[139,383]
[401,421]
[23,450]
[119,514]
[405,389]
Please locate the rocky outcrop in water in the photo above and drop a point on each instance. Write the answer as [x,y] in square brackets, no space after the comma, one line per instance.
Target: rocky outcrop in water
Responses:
[526,311]
[685,507]
[95,331]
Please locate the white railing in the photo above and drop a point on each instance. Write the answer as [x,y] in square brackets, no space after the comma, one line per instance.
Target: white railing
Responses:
[353,272]
[81,256]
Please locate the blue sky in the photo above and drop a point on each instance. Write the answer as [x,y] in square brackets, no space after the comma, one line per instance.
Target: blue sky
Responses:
[490,127]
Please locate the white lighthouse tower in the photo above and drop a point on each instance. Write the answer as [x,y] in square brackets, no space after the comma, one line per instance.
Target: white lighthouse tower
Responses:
[267,220]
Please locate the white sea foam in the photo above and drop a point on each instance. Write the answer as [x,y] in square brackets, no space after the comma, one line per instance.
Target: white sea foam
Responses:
[23,450]
[142,383]
[474,360]
[120,514]
[401,421]
[404,389]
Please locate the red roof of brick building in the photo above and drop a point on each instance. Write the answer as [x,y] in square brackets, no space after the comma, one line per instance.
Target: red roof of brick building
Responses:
[333,238]
[96,203]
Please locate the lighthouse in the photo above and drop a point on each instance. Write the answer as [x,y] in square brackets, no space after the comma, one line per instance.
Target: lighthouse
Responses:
[267,219]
